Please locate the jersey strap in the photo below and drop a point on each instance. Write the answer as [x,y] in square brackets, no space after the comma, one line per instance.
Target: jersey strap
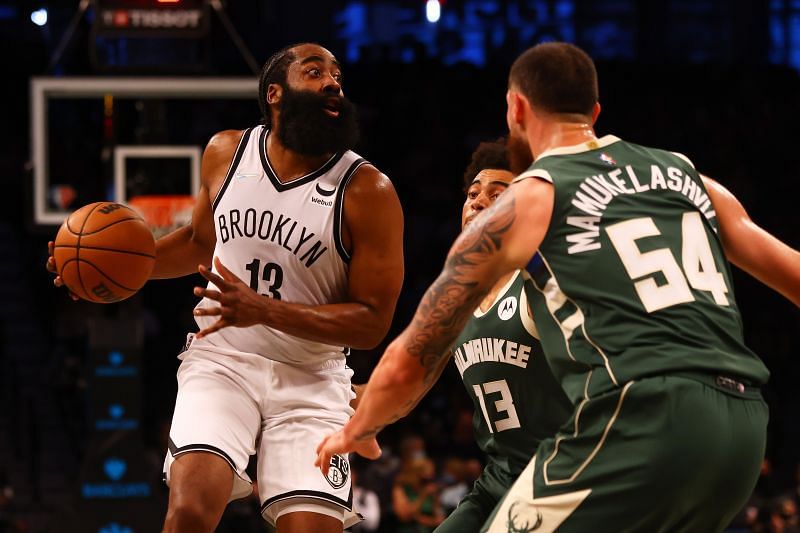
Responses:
[237,156]
[339,208]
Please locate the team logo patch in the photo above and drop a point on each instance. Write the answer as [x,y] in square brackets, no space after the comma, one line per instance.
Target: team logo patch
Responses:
[516,524]
[339,472]
[507,308]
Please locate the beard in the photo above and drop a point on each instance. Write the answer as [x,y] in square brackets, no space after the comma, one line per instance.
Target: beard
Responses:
[304,126]
[519,154]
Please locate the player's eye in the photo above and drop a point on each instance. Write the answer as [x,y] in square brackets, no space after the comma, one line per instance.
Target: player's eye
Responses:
[314,72]
[472,195]
[337,76]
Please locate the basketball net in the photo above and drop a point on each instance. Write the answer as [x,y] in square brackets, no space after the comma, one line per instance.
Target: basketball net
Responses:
[164,213]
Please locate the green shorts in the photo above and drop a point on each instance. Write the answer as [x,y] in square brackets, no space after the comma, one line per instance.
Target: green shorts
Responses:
[666,453]
[476,507]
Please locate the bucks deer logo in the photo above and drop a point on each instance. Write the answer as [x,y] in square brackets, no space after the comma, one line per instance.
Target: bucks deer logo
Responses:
[515,524]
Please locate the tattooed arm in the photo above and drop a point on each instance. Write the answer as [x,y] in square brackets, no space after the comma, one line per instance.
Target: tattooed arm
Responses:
[501,239]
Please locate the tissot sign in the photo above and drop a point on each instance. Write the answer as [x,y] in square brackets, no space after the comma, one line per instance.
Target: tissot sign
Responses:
[179,19]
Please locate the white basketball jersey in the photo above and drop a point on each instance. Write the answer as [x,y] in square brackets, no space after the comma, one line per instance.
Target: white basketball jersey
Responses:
[284,240]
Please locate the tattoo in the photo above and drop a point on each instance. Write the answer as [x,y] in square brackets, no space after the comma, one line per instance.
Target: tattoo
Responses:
[371,432]
[447,304]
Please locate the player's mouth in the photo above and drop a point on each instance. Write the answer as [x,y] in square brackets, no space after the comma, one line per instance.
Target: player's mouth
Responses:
[332,106]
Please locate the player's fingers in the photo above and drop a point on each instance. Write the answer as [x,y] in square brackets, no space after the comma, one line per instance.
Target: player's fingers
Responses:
[223,270]
[208,311]
[370,449]
[207,293]
[216,326]
[51,264]
[58,282]
[213,278]
[51,246]
[323,461]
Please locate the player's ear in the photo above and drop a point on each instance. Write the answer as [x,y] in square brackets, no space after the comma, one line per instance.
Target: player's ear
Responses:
[595,112]
[516,109]
[274,93]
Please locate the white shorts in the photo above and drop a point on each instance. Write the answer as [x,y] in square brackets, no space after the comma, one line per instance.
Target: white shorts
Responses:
[235,404]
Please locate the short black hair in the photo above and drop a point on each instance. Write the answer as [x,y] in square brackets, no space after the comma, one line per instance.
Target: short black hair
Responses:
[556,77]
[488,155]
[274,71]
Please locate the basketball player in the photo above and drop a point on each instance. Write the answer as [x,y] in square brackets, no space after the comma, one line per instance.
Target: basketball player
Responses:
[306,238]
[517,400]
[636,312]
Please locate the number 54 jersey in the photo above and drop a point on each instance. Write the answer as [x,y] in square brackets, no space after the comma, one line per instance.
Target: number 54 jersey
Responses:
[631,276]
[285,241]
[518,402]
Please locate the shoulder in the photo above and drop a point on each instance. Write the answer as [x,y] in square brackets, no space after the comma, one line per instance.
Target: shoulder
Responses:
[217,157]
[370,184]
[224,141]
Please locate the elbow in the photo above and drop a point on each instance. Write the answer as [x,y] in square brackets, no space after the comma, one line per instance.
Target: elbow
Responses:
[367,342]
[371,337]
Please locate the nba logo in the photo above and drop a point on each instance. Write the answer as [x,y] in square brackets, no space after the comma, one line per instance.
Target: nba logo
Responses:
[605,158]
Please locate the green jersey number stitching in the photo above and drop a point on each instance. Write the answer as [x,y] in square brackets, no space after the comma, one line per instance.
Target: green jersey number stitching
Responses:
[699,269]
[504,404]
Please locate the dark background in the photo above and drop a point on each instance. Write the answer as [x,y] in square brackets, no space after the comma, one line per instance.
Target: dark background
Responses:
[716,80]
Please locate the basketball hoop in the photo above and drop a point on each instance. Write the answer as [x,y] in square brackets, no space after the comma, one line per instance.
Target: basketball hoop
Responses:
[164,213]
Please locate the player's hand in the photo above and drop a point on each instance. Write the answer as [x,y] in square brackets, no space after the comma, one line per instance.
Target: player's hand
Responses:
[240,306]
[340,443]
[51,267]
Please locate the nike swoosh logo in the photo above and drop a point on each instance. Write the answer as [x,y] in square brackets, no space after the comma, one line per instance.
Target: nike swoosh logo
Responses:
[324,192]
[242,175]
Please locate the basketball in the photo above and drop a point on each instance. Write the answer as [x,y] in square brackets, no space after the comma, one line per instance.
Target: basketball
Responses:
[104,252]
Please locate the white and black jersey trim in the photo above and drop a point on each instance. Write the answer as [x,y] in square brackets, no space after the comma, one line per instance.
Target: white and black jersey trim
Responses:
[175,451]
[339,208]
[314,494]
[232,168]
[302,180]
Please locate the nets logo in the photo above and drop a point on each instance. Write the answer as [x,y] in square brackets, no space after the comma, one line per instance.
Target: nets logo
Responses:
[338,472]
[507,308]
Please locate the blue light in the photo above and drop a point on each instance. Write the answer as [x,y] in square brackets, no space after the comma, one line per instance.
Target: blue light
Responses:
[39,17]
[115,468]
[433,10]
[113,527]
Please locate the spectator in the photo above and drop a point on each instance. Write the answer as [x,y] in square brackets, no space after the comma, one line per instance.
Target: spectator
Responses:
[415,497]
[454,484]
[783,516]
[366,503]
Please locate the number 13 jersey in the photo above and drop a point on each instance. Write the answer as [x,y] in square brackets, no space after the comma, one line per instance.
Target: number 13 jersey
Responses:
[285,241]
[518,402]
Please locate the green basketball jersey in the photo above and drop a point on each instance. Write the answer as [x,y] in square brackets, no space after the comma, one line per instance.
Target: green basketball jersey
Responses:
[517,400]
[631,279]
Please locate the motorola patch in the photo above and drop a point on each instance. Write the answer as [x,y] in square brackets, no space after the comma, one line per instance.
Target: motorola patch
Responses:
[507,308]
[339,472]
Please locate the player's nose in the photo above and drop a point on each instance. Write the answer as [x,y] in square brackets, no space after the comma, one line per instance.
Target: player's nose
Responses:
[331,85]
[480,203]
